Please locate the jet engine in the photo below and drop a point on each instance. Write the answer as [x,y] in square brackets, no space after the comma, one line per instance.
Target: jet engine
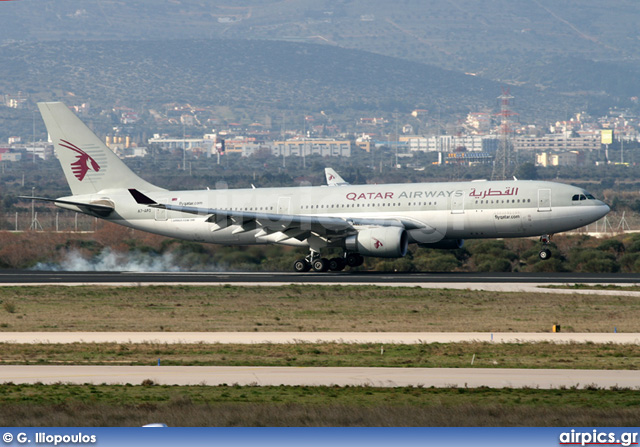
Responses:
[445,244]
[382,242]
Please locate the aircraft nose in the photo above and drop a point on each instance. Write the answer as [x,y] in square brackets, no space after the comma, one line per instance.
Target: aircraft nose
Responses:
[604,209]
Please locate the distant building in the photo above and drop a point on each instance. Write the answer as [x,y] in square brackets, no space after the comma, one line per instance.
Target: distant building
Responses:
[41,149]
[372,121]
[117,142]
[569,158]
[479,122]
[133,151]
[205,145]
[450,143]
[10,156]
[364,142]
[312,146]
[16,101]
[557,143]
[245,146]
[466,158]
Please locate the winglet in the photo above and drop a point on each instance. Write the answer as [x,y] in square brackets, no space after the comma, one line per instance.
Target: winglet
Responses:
[141,198]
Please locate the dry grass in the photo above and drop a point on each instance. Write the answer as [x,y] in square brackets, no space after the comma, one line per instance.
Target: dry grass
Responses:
[67,405]
[434,355]
[300,308]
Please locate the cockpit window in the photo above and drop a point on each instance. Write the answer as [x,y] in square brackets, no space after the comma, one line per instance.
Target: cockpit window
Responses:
[579,197]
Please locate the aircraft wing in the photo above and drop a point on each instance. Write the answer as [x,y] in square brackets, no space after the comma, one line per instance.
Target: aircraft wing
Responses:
[291,225]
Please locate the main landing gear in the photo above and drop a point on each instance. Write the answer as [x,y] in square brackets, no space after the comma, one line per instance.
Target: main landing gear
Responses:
[545,253]
[318,264]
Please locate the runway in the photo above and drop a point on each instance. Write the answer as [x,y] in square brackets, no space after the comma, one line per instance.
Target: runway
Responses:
[293,376]
[314,337]
[459,280]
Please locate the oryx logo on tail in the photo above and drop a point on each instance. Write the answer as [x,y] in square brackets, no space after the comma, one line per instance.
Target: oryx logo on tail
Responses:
[81,166]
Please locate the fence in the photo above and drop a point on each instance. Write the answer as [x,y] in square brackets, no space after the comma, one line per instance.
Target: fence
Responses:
[58,221]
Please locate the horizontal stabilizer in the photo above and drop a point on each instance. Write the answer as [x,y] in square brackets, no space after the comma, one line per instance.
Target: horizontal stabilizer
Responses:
[98,209]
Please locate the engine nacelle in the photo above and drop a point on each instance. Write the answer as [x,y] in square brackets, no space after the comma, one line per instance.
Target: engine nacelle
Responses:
[382,242]
[445,244]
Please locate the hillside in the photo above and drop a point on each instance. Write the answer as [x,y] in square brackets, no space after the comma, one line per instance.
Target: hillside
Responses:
[254,75]
[570,47]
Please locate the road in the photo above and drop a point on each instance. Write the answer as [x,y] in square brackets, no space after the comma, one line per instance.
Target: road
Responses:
[324,376]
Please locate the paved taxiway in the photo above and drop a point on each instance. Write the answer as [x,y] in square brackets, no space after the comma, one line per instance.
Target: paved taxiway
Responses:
[314,337]
[23,277]
[325,376]
[498,282]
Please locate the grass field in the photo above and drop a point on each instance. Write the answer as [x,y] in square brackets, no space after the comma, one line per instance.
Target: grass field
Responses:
[330,308]
[433,355]
[102,405]
[300,308]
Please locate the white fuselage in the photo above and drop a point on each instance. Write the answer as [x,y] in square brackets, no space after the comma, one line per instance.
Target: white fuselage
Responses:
[440,211]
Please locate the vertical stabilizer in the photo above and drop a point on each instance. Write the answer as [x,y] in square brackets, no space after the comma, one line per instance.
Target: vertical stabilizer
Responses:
[88,164]
[333,178]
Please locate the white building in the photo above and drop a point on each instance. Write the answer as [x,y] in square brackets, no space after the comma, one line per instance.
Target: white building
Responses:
[312,146]
[449,143]
[204,144]
[558,143]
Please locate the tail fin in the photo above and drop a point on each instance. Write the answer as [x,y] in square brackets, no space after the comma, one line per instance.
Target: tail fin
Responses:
[88,164]
[333,178]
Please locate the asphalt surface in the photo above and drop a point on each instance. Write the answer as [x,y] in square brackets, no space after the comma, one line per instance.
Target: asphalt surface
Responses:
[312,376]
[66,277]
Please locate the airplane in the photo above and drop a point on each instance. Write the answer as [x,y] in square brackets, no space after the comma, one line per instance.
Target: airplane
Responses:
[360,220]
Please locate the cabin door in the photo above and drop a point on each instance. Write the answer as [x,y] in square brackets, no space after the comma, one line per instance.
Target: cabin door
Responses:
[161,213]
[284,205]
[544,200]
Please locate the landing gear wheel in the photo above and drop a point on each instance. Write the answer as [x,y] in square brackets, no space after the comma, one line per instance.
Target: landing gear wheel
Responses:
[354,260]
[545,254]
[301,266]
[320,265]
[336,264]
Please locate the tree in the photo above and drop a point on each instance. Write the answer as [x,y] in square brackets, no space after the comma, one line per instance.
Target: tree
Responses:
[527,171]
